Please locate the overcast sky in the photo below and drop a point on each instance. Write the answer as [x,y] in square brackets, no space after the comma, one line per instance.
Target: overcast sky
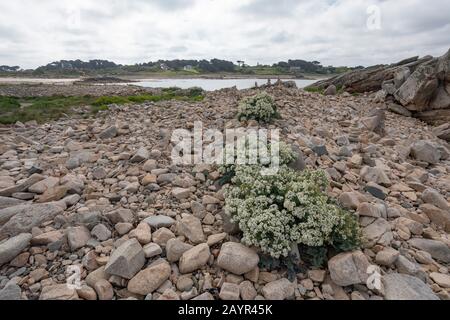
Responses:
[334,32]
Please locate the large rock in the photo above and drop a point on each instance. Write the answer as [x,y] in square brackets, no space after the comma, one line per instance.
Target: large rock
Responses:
[191,228]
[433,197]
[443,67]
[126,260]
[150,279]
[374,232]
[11,292]
[194,258]
[417,91]
[443,131]
[175,248]
[120,216]
[438,250]
[412,87]
[279,290]
[58,292]
[43,185]
[78,237]
[141,155]
[439,217]
[331,90]
[159,221]
[375,122]
[12,247]
[78,158]
[108,133]
[23,186]
[406,287]
[6,202]
[425,151]
[375,174]
[237,258]
[22,218]
[349,268]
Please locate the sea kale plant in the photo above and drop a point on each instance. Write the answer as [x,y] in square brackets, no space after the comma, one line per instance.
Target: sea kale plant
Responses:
[275,212]
[260,107]
[285,153]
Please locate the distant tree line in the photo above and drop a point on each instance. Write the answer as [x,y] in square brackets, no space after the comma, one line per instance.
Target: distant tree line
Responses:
[9,69]
[78,67]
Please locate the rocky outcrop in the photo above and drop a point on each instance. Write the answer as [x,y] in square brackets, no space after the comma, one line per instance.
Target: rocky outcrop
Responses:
[417,87]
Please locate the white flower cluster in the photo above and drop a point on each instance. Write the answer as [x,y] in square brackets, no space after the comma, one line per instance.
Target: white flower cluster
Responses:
[285,153]
[274,212]
[260,107]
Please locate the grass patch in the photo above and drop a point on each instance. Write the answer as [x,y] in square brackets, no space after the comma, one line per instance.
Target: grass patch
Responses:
[314,90]
[44,109]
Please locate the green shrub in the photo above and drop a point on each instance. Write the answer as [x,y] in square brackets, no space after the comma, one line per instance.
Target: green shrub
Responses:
[274,212]
[260,107]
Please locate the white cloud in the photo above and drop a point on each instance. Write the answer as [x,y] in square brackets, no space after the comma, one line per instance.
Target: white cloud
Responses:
[33,33]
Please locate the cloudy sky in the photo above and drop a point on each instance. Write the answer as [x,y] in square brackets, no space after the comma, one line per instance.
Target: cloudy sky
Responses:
[335,32]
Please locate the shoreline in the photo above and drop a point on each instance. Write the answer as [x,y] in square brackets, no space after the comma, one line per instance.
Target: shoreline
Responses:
[138,78]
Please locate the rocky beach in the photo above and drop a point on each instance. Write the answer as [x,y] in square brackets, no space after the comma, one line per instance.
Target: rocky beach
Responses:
[98,201]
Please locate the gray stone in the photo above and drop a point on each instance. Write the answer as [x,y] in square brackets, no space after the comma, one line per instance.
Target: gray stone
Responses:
[74,184]
[175,249]
[11,292]
[191,228]
[22,218]
[418,88]
[407,267]
[443,132]
[348,268]
[376,175]
[43,185]
[150,279]
[438,250]
[398,109]
[99,173]
[78,237]
[120,216]
[23,186]
[101,232]
[194,258]
[373,232]
[237,258]
[152,250]
[13,247]
[433,197]
[426,152]
[6,202]
[78,158]
[320,150]
[299,163]
[160,221]
[162,236]
[331,90]
[108,133]
[141,155]
[229,291]
[387,256]
[126,260]
[181,193]
[58,292]
[406,287]
[279,290]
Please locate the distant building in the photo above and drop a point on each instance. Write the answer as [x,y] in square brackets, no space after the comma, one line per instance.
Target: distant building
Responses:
[164,67]
[188,68]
